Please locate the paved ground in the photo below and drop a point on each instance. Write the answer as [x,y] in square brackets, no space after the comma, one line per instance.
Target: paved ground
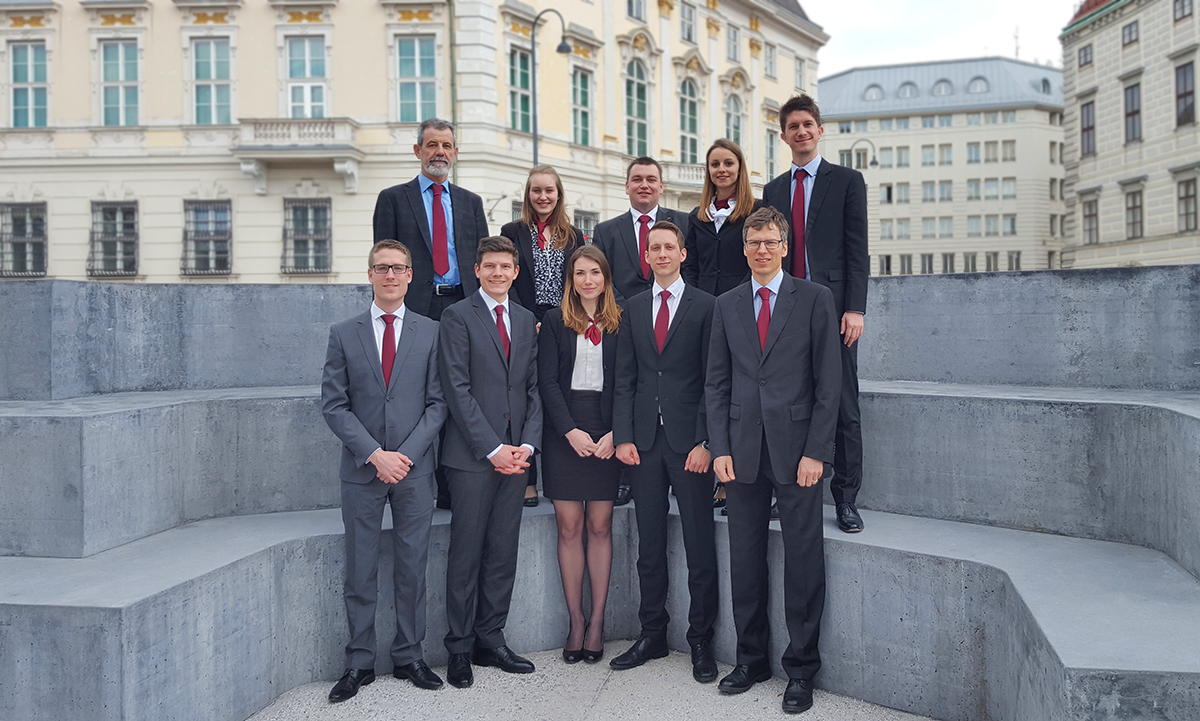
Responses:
[661,689]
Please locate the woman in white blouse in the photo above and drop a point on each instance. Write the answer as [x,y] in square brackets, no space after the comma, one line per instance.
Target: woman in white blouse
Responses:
[576,359]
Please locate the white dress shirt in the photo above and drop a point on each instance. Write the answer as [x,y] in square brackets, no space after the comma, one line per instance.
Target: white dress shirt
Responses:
[720,215]
[809,184]
[379,326]
[637,219]
[588,373]
[772,285]
[491,306]
[676,290]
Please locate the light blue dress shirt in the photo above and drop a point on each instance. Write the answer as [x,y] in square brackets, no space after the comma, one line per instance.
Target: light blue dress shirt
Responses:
[809,183]
[772,285]
[453,277]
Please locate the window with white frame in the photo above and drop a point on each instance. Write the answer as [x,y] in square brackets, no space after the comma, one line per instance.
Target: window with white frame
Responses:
[416,78]
[1010,225]
[1186,193]
[1014,260]
[885,230]
[689,123]
[770,60]
[213,90]
[733,119]
[119,82]
[972,153]
[991,189]
[799,80]
[770,153]
[860,126]
[1010,150]
[687,23]
[901,192]
[993,261]
[945,191]
[207,234]
[519,102]
[1091,222]
[733,44]
[114,240]
[635,9]
[928,191]
[581,106]
[974,226]
[928,227]
[885,265]
[947,262]
[926,263]
[945,227]
[1009,188]
[1133,215]
[29,85]
[974,119]
[307,235]
[1183,9]
[974,189]
[636,110]
[22,240]
[306,77]
[906,264]
[991,152]
[945,154]
[902,229]
[945,121]
[991,225]
[885,157]
[969,264]
[902,156]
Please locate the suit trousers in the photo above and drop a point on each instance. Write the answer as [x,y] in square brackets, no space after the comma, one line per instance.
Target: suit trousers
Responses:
[801,519]
[650,482]
[482,563]
[411,501]
[847,439]
[437,304]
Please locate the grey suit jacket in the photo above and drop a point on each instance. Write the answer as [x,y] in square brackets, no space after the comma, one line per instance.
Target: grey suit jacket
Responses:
[616,238]
[406,416]
[491,400]
[790,391]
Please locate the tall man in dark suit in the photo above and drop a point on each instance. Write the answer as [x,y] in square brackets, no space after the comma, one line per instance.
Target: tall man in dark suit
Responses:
[660,430]
[440,222]
[381,396]
[772,392]
[489,374]
[826,205]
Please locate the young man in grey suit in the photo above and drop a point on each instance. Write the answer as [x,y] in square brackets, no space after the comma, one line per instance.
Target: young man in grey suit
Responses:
[381,396]
[774,377]
[488,370]
[661,434]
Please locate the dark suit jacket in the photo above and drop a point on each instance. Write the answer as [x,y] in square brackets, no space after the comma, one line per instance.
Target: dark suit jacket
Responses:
[556,363]
[716,261]
[673,381]
[364,415]
[400,215]
[524,290]
[616,238]
[835,234]
[491,400]
[790,392]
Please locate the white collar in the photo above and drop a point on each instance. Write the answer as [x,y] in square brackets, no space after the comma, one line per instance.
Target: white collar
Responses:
[675,289]
[491,302]
[376,312]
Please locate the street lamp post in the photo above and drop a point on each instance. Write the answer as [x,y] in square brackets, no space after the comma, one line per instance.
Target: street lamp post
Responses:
[564,48]
[873,164]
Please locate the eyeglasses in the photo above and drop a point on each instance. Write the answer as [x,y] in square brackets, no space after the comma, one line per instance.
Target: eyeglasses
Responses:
[381,269]
[768,244]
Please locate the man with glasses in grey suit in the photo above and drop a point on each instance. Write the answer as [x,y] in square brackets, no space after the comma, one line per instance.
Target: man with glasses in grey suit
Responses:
[382,397]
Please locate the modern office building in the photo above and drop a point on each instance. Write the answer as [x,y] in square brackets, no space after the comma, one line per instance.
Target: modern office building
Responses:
[962,161]
[246,141]
[1132,143]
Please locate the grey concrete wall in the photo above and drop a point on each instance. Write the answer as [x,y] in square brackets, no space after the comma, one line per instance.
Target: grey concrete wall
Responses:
[1110,328]
[80,477]
[25,339]
[1115,466]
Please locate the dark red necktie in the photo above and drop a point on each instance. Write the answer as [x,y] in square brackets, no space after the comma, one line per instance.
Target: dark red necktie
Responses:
[799,268]
[721,204]
[441,253]
[764,317]
[389,349]
[501,329]
[643,235]
[592,333]
[541,231]
[662,321]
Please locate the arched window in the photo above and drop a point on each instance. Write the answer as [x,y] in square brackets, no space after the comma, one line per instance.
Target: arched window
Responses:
[636,142]
[689,123]
[874,92]
[978,85]
[907,90]
[733,119]
[1045,86]
[942,88]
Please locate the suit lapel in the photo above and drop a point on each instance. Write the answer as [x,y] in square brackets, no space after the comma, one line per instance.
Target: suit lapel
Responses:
[685,302]
[525,250]
[630,241]
[403,346]
[417,206]
[745,314]
[366,334]
[489,323]
[820,188]
[463,249]
[784,303]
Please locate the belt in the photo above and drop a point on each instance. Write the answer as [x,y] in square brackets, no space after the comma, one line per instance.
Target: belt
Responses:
[441,289]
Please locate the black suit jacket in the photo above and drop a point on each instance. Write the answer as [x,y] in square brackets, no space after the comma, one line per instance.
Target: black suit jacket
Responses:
[835,234]
[672,381]
[524,289]
[616,238]
[400,215]
[556,363]
[790,392]
[716,261]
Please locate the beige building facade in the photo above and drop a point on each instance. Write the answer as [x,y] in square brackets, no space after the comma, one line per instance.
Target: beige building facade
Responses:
[1132,142]
[230,141]
[961,161]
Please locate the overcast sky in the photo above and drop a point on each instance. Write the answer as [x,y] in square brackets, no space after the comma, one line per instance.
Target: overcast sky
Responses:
[889,32]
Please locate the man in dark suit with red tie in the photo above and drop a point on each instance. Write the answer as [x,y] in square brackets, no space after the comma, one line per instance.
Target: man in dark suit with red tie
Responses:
[772,393]
[826,205]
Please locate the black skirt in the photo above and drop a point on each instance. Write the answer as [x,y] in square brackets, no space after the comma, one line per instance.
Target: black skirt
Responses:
[566,476]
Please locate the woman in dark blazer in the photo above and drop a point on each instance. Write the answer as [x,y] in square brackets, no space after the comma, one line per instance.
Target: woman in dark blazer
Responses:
[545,239]
[577,349]
[715,261]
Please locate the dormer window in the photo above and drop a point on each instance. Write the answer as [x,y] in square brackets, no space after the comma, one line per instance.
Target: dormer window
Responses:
[874,92]
[907,90]
[978,85]
[942,88]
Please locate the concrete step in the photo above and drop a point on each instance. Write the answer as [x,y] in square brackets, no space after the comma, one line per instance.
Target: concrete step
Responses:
[214,619]
[1117,465]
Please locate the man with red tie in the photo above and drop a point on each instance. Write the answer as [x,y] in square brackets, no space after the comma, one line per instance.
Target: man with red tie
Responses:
[772,394]
[826,206]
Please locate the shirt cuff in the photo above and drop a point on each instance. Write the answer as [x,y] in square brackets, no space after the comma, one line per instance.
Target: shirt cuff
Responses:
[532,450]
[495,451]
[859,312]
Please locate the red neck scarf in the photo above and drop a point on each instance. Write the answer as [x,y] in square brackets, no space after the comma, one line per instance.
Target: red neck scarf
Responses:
[593,332]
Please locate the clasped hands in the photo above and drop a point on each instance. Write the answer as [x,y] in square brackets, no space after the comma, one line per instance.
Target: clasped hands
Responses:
[390,466]
[510,460]
[808,472]
[697,459]
[584,446]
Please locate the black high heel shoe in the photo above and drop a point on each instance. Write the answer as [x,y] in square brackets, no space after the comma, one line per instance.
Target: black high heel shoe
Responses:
[590,656]
[577,655]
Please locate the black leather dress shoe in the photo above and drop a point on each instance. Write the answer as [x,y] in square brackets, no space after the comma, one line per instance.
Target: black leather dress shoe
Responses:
[742,677]
[848,519]
[531,501]
[643,649]
[704,668]
[420,674]
[798,696]
[504,659]
[347,685]
[458,671]
[623,495]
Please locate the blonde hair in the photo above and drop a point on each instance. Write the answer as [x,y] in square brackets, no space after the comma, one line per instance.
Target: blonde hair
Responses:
[743,195]
[608,313]
[558,227]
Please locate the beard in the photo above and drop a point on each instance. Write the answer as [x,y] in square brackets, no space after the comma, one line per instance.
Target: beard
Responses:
[437,168]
